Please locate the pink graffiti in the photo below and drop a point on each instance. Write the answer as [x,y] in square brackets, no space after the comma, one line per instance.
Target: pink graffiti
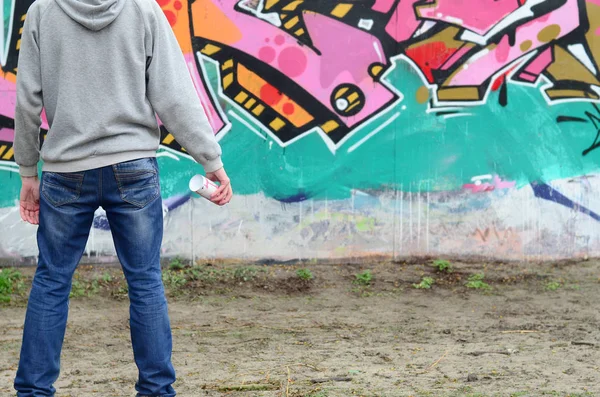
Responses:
[342,56]
[497,183]
[476,15]
[488,61]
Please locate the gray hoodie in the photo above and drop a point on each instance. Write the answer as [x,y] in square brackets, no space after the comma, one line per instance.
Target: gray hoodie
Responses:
[103,70]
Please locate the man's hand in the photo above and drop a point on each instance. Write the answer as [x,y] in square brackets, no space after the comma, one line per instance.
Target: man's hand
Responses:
[224,193]
[30,200]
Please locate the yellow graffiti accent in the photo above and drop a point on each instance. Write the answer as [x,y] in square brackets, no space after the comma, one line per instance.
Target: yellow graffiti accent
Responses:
[458,93]
[9,154]
[227,80]
[292,6]
[258,110]
[250,103]
[241,97]
[376,70]
[329,126]
[341,10]
[291,23]
[341,92]
[227,64]
[210,49]
[277,124]
[270,3]
[168,139]
[2,149]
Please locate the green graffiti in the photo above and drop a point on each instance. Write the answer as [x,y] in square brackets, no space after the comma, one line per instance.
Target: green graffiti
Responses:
[418,151]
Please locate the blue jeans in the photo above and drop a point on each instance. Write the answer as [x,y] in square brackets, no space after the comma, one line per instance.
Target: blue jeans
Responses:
[130,194]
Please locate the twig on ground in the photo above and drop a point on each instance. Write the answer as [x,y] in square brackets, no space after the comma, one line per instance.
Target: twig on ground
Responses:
[580,343]
[332,379]
[251,387]
[437,362]
[248,340]
[287,386]
[481,353]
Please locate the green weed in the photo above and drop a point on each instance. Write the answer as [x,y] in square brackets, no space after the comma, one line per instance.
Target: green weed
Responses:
[475,281]
[304,274]
[173,279]
[365,278]
[442,266]
[11,283]
[176,264]
[552,286]
[425,283]
[77,289]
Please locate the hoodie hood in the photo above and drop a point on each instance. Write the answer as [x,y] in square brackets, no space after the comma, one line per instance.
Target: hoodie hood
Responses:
[93,14]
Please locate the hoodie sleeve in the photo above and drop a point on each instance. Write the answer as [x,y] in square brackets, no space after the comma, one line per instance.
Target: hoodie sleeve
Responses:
[29,98]
[172,94]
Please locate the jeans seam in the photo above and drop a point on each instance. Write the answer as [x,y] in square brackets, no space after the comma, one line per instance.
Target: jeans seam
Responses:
[100,193]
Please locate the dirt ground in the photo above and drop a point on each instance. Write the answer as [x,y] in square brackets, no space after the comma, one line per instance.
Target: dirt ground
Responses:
[536,332]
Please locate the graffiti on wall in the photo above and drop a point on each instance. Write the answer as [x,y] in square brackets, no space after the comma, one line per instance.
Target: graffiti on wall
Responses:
[430,94]
[293,65]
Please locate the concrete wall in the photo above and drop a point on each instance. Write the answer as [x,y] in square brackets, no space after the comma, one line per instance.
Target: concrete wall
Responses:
[373,127]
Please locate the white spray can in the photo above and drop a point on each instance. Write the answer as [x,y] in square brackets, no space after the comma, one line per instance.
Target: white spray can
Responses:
[203,186]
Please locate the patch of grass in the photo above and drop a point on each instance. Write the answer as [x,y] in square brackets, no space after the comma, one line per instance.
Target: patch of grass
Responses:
[245,273]
[425,283]
[519,394]
[77,289]
[11,283]
[552,286]
[319,393]
[475,281]
[304,274]
[442,266]
[178,279]
[176,264]
[106,277]
[365,278]
[173,280]
[81,288]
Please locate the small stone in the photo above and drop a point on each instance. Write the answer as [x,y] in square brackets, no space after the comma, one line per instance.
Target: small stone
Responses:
[472,378]
[447,331]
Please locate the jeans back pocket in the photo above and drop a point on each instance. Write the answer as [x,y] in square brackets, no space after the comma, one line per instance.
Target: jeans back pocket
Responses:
[137,181]
[62,188]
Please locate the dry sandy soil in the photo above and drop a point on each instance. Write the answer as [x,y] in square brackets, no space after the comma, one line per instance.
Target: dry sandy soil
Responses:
[535,333]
